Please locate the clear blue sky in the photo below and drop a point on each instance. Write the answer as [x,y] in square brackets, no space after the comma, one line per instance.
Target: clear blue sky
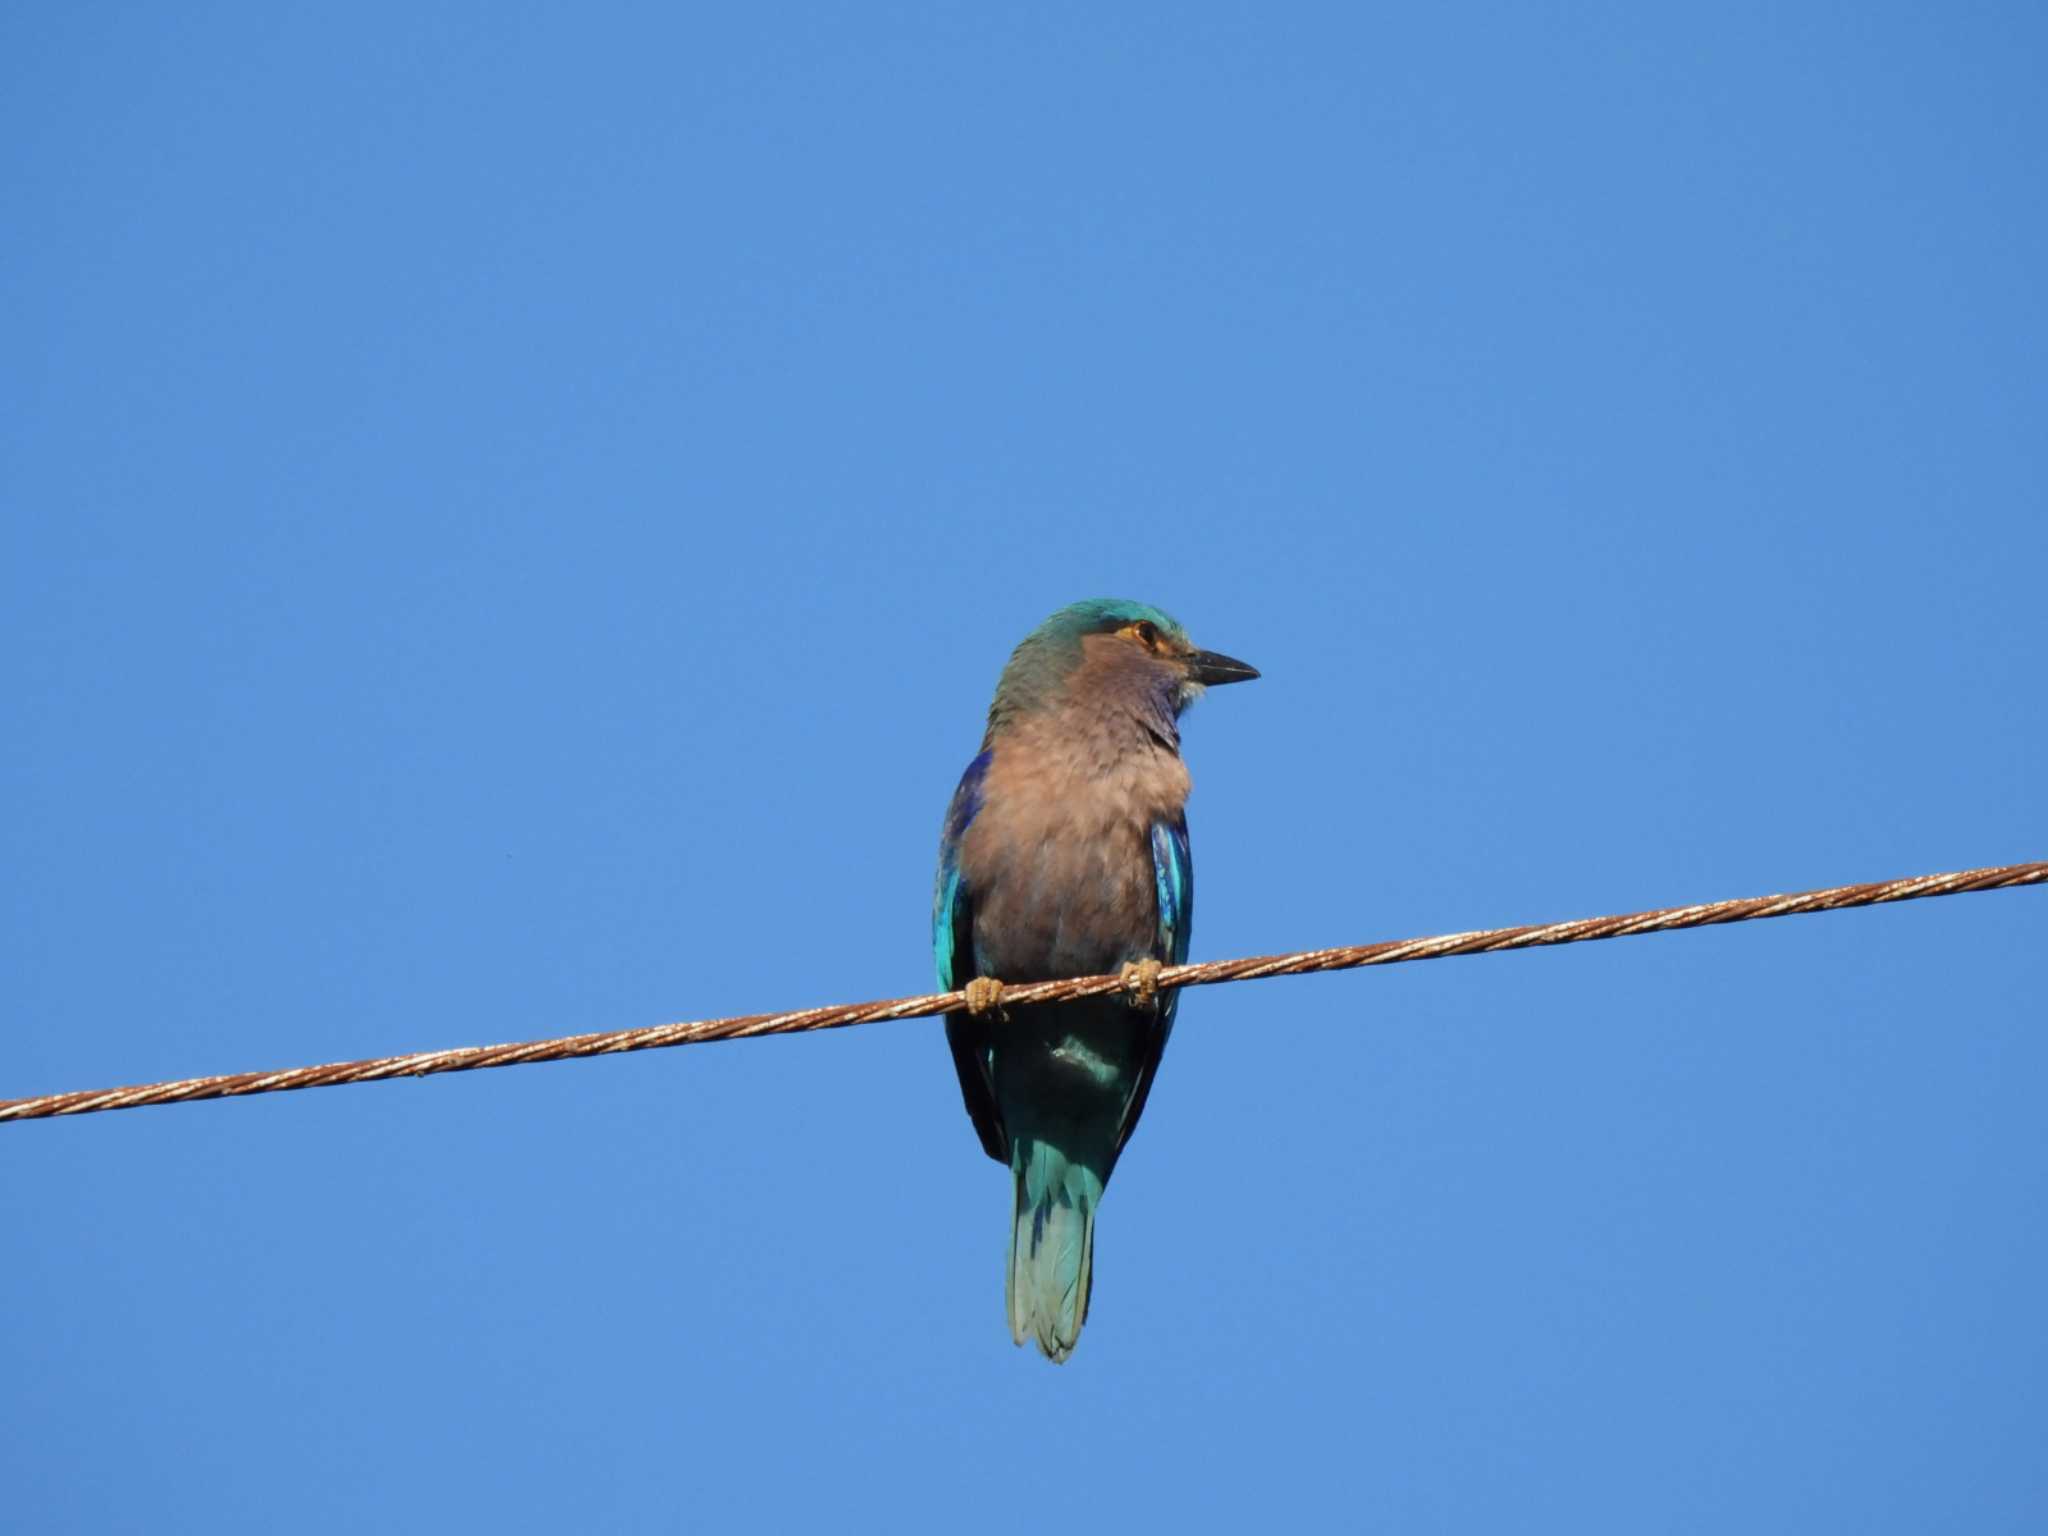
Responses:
[511,518]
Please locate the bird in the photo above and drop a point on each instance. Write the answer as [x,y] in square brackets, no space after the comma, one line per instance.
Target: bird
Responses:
[1064,852]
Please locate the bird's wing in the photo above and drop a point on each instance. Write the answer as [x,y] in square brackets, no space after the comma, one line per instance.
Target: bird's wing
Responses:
[953,952]
[1173,872]
[1173,867]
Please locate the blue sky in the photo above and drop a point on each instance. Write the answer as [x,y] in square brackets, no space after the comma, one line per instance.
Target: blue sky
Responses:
[511,518]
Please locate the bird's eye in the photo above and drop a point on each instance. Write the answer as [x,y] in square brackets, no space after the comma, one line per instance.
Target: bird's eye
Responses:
[1149,633]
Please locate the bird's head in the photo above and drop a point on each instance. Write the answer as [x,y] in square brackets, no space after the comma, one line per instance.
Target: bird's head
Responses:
[1115,649]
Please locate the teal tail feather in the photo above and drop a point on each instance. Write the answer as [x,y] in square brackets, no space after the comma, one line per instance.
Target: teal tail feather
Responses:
[1052,1248]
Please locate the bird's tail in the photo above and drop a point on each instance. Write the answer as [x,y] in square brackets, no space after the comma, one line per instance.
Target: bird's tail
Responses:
[1052,1247]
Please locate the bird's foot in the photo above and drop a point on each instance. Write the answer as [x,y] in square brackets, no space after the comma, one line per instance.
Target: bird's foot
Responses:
[1141,980]
[984,994]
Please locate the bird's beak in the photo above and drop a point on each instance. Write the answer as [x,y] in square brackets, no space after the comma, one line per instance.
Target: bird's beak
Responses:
[1210,669]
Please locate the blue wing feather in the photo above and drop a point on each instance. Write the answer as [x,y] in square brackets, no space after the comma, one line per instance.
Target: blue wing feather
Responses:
[952,916]
[953,957]
[1173,873]
[1173,868]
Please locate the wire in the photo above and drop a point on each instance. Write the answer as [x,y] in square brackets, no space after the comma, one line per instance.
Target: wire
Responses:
[655,1037]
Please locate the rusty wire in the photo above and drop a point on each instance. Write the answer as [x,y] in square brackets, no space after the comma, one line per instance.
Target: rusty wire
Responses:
[654,1037]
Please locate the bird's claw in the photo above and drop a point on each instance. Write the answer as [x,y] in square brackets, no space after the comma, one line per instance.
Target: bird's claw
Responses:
[1141,980]
[984,993]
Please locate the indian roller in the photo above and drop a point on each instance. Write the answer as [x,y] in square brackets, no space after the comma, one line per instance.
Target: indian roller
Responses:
[1065,853]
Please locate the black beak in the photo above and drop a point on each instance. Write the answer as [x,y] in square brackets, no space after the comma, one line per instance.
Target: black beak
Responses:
[1209,669]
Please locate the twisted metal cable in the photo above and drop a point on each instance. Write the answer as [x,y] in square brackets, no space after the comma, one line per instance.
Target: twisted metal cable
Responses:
[654,1037]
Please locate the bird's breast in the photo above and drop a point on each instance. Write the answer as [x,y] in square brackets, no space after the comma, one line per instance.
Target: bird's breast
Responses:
[1059,859]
